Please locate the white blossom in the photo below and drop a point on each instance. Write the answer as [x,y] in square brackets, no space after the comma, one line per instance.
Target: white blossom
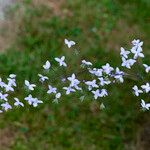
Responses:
[51,89]
[17,102]
[147,68]
[91,84]
[137,91]
[61,61]
[86,63]
[58,95]
[107,68]
[69,43]
[124,53]
[8,87]
[6,106]
[42,78]
[3,96]
[146,87]
[119,75]
[103,81]
[68,90]
[29,86]
[144,105]
[47,65]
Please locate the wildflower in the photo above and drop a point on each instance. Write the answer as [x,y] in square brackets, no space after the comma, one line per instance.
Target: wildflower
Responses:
[74,82]
[124,53]
[2,84]
[3,96]
[137,91]
[42,78]
[144,105]
[103,93]
[137,49]
[107,68]
[147,68]
[47,65]
[119,75]
[58,95]
[8,87]
[17,102]
[91,84]
[36,101]
[30,86]
[127,62]
[29,99]
[98,72]
[103,82]
[68,90]
[146,87]
[96,93]
[12,76]
[1,111]
[86,63]
[61,61]
[12,82]
[51,89]
[6,106]
[69,43]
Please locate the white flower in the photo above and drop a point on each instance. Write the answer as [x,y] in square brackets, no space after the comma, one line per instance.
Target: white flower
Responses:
[103,82]
[1,111]
[144,105]
[61,61]
[51,89]
[103,93]
[30,86]
[98,72]
[47,65]
[2,84]
[8,87]
[137,91]
[119,75]
[91,84]
[147,68]
[13,76]
[127,63]
[18,103]
[6,106]
[124,53]
[86,63]
[107,68]
[96,93]
[3,96]
[36,101]
[137,43]
[137,49]
[137,53]
[74,82]
[29,99]
[12,82]
[33,101]
[146,87]
[69,43]
[68,90]
[42,78]
[58,95]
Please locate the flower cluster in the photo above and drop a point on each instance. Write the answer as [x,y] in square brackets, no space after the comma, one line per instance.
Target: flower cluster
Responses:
[95,85]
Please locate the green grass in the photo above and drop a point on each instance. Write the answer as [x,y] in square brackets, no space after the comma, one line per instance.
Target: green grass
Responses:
[99,28]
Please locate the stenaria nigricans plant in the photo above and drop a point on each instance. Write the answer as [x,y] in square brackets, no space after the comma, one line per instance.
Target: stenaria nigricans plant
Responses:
[96,86]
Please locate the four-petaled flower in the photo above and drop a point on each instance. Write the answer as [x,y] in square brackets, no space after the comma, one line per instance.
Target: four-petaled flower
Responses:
[61,61]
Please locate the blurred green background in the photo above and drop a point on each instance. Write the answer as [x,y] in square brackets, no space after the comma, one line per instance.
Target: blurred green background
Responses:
[100,28]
